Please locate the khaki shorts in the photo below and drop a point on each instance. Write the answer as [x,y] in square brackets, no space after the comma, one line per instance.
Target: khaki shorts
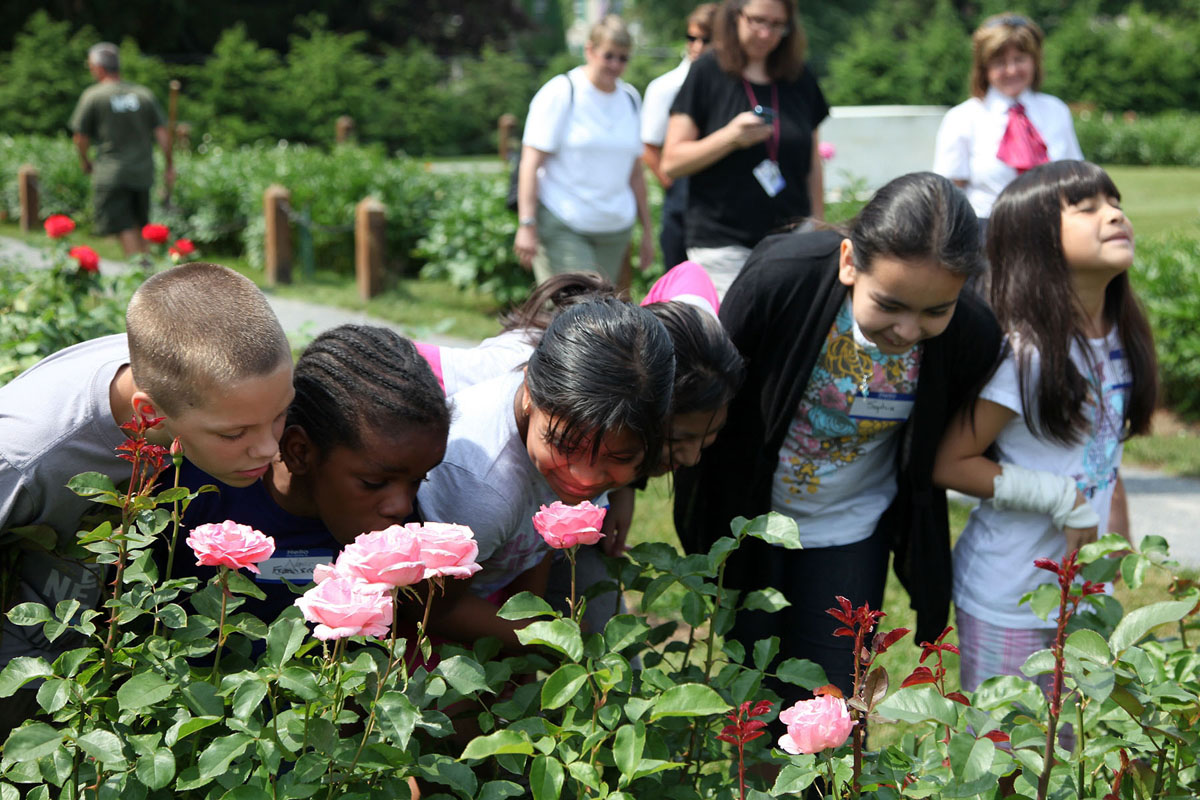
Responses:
[119,208]
[561,248]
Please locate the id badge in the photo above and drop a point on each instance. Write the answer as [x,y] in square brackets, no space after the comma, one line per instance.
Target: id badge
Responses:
[769,177]
[883,407]
[295,565]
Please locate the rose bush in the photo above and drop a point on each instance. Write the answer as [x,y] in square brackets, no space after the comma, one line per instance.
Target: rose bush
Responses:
[88,259]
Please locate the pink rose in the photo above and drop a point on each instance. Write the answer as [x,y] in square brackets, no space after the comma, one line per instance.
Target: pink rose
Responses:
[826,150]
[344,607]
[446,549]
[228,544]
[815,725]
[390,557]
[564,526]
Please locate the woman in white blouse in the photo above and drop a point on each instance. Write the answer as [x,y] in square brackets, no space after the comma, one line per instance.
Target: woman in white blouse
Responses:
[1007,126]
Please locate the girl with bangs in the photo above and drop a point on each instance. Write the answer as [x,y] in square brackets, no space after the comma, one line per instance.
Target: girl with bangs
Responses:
[1042,445]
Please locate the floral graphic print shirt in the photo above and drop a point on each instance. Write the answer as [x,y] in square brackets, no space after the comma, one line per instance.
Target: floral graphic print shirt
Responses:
[836,470]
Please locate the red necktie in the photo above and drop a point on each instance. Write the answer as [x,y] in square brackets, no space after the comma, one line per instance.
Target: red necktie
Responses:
[1022,147]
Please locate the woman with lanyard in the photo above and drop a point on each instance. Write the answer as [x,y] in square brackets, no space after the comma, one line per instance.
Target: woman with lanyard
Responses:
[744,128]
[1008,126]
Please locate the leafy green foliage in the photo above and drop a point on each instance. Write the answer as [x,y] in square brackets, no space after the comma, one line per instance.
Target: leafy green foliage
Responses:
[1167,277]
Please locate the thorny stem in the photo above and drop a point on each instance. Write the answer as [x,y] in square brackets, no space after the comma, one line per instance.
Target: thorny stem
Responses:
[1158,776]
[571,558]
[174,538]
[708,662]
[1055,690]
[831,788]
[1079,743]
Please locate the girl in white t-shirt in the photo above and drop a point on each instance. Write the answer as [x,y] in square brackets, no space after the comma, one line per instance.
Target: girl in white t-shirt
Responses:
[1078,378]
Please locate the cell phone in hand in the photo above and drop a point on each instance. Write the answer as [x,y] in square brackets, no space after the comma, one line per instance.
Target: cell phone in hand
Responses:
[765,113]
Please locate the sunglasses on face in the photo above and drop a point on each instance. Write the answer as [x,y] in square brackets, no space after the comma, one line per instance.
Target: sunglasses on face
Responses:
[693,39]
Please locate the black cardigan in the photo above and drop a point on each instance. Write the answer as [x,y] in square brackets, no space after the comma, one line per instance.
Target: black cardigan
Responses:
[778,313]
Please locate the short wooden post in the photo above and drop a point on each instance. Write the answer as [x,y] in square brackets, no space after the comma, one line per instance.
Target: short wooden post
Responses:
[345,129]
[27,192]
[370,246]
[504,131]
[277,254]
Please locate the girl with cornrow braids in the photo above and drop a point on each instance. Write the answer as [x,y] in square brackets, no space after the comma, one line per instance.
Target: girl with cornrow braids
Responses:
[367,424]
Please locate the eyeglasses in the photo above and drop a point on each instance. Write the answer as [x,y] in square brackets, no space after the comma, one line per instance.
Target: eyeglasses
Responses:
[692,39]
[1009,20]
[766,24]
[622,57]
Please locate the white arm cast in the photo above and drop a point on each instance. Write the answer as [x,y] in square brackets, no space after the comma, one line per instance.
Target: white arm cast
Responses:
[1020,489]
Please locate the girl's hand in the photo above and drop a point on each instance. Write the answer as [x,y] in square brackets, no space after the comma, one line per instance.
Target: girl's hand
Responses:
[748,129]
[526,245]
[1078,537]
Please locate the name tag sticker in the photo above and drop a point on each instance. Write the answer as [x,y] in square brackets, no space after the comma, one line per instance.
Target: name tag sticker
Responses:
[769,177]
[882,406]
[295,565]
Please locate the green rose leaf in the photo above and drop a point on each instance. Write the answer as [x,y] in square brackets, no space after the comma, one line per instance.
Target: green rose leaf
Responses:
[464,674]
[802,672]
[563,685]
[688,700]
[284,639]
[918,704]
[89,484]
[546,778]
[31,742]
[558,634]
[498,743]
[398,716]
[499,790]
[20,671]
[525,605]
[241,584]
[248,697]
[773,528]
[216,757]
[1089,645]
[1141,621]
[1039,663]
[624,630]
[156,769]
[770,600]
[104,746]
[143,689]
[30,614]
[628,746]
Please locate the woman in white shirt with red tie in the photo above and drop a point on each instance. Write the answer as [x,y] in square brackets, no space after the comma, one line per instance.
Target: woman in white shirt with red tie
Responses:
[1007,127]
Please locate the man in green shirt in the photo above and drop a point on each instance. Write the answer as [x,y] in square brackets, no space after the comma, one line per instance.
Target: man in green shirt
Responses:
[122,120]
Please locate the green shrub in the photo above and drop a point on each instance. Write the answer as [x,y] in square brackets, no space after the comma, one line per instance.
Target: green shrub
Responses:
[63,188]
[1168,139]
[42,77]
[1168,281]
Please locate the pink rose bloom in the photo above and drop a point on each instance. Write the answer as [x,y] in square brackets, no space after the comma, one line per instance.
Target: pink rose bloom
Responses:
[447,550]
[344,607]
[826,150]
[228,544]
[390,557]
[564,526]
[815,725]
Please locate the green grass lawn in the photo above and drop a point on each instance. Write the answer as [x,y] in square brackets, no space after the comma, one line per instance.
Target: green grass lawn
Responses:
[1160,199]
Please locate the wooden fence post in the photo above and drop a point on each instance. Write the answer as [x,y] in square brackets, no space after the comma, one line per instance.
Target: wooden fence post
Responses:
[277,255]
[370,246]
[27,191]
[504,131]
[344,128]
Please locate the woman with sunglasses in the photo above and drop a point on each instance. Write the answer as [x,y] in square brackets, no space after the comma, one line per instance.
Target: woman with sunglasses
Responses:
[744,128]
[1007,126]
[656,112]
[581,182]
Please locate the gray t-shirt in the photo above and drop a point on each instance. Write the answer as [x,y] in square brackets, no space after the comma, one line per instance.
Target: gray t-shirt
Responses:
[56,422]
[487,481]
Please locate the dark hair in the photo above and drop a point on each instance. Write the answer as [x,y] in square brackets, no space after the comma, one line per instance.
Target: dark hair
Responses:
[708,367]
[702,17]
[604,365]
[553,295]
[1035,302]
[915,216]
[785,62]
[355,378]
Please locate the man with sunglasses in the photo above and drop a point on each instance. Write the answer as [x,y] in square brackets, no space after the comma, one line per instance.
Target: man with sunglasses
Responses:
[656,111]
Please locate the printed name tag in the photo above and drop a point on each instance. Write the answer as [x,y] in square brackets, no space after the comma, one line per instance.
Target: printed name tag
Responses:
[769,177]
[295,565]
[882,406]
[1121,378]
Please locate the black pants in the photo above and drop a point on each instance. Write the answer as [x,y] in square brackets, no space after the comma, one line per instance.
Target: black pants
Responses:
[670,237]
[811,580]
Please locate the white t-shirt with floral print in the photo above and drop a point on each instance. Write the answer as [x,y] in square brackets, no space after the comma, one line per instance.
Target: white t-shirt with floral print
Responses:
[836,473]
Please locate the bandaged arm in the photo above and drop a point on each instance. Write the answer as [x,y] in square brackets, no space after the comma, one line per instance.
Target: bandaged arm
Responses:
[1021,489]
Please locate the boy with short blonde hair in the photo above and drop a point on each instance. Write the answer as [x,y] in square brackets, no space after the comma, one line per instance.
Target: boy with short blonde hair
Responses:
[204,350]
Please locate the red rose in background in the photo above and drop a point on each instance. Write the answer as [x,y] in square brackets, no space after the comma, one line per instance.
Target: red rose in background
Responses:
[181,249]
[89,260]
[155,233]
[59,225]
